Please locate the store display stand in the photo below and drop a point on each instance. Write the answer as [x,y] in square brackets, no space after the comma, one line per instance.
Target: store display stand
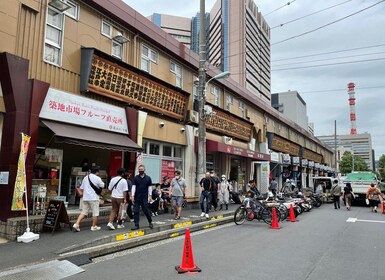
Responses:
[28,236]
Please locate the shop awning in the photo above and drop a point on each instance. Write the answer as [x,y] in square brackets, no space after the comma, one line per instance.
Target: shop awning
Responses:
[90,137]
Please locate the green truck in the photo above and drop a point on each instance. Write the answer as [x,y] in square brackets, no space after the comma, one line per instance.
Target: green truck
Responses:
[360,182]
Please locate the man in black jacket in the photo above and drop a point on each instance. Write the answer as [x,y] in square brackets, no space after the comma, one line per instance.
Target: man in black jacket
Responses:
[206,185]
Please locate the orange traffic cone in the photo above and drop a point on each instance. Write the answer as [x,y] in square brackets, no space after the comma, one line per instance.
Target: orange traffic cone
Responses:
[292,215]
[274,220]
[188,257]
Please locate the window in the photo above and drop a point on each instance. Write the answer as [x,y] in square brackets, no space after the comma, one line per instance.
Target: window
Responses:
[72,12]
[117,49]
[53,37]
[215,92]
[106,29]
[242,109]
[167,151]
[148,55]
[229,102]
[177,70]
[154,149]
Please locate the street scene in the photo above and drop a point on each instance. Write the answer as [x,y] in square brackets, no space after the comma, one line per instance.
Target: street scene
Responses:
[209,139]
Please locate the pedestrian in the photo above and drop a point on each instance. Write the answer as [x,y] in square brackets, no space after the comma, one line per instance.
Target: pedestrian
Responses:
[119,188]
[141,195]
[165,188]
[178,190]
[214,189]
[348,195]
[130,214]
[273,187]
[224,193]
[154,201]
[206,184]
[373,194]
[336,193]
[90,198]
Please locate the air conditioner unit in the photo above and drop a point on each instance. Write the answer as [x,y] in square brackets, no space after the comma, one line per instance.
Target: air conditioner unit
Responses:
[251,144]
[192,116]
[227,140]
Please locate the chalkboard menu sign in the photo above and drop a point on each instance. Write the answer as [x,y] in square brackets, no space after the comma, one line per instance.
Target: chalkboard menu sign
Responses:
[56,214]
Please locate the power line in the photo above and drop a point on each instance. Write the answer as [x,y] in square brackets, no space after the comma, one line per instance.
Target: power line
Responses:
[287,4]
[282,24]
[329,64]
[328,24]
[326,59]
[331,52]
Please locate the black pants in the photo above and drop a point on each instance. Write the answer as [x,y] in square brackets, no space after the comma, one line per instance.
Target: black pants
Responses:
[214,199]
[144,204]
[129,209]
[336,199]
[154,206]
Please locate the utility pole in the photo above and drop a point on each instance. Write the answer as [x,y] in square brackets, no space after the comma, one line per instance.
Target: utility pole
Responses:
[201,94]
[335,144]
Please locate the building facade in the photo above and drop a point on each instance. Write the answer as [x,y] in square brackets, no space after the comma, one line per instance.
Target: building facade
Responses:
[100,84]
[358,144]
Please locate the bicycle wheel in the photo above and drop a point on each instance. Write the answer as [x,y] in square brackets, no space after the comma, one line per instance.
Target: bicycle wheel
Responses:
[267,215]
[240,215]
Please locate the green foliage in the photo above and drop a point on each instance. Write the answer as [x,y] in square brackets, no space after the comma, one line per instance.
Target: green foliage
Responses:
[346,163]
[381,167]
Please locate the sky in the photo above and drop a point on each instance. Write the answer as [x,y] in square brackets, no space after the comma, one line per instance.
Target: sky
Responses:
[330,44]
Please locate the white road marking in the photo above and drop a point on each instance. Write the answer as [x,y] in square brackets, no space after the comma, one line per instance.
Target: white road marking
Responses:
[353,220]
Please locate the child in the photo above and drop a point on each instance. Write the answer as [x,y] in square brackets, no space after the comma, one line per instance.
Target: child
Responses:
[154,202]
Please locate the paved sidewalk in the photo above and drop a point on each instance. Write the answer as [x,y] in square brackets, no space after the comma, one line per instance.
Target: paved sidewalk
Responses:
[83,245]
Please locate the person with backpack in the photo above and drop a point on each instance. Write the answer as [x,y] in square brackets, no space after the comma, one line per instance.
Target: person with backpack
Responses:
[91,188]
[373,194]
[118,186]
[178,190]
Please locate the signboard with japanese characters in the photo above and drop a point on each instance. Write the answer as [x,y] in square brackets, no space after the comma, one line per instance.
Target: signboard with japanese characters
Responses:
[70,108]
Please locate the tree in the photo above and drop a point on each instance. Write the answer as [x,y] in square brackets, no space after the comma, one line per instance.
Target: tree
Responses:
[381,167]
[347,161]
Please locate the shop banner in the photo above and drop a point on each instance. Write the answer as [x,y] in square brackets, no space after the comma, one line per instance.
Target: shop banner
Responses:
[274,157]
[311,164]
[304,162]
[286,160]
[296,161]
[20,183]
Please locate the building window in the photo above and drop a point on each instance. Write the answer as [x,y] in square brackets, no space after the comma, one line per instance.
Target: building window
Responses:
[229,102]
[154,149]
[72,12]
[106,29]
[53,37]
[242,109]
[167,151]
[148,55]
[215,93]
[177,70]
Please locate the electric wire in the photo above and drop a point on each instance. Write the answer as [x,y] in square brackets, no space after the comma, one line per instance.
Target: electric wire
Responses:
[325,25]
[287,4]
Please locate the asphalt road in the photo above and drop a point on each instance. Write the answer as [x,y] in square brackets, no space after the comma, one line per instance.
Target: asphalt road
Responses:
[322,245]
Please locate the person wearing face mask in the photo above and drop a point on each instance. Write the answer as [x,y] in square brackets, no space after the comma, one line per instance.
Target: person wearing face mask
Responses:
[214,190]
[178,190]
[141,194]
[206,184]
[224,194]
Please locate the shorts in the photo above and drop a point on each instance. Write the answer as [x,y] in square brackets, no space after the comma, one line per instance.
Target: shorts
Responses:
[373,203]
[177,200]
[90,205]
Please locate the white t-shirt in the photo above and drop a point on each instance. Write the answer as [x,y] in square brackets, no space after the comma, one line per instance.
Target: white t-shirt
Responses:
[120,188]
[88,192]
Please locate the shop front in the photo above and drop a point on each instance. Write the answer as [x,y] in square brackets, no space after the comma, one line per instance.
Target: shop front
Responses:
[76,133]
[304,173]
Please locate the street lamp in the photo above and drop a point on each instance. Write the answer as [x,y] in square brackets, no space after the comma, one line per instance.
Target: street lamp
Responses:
[202,125]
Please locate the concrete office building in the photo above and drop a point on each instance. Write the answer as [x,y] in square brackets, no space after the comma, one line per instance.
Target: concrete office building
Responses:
[359,144]
[292,105]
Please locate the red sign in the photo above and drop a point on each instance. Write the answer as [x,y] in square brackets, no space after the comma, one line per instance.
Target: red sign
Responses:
[168,168]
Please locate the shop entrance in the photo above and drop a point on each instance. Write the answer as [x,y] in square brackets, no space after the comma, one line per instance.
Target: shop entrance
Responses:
[238,173]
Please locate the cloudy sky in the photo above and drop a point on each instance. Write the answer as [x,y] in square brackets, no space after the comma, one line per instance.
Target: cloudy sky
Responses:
[335,42]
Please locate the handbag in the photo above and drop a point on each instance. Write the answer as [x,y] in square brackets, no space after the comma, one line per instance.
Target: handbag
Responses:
[367,201]
[96,189]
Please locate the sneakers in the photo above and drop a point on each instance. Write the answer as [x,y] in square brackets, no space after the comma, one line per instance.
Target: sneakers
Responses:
[207,216]
[177,218]
[110,225]
[120,226]
[203,214]
[156,213]
[153,214]
[151,225]
[76,227]
[95,228]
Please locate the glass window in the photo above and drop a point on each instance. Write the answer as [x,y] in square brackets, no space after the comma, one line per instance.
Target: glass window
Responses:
[145,147]
[154,149]
[215,92]
[178,152]
[154,56]
[72,12]
[242,109]
[167,151]
[53,37]
[177,70]
[229,102]
[195,87]
[106,29]
[117,49]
